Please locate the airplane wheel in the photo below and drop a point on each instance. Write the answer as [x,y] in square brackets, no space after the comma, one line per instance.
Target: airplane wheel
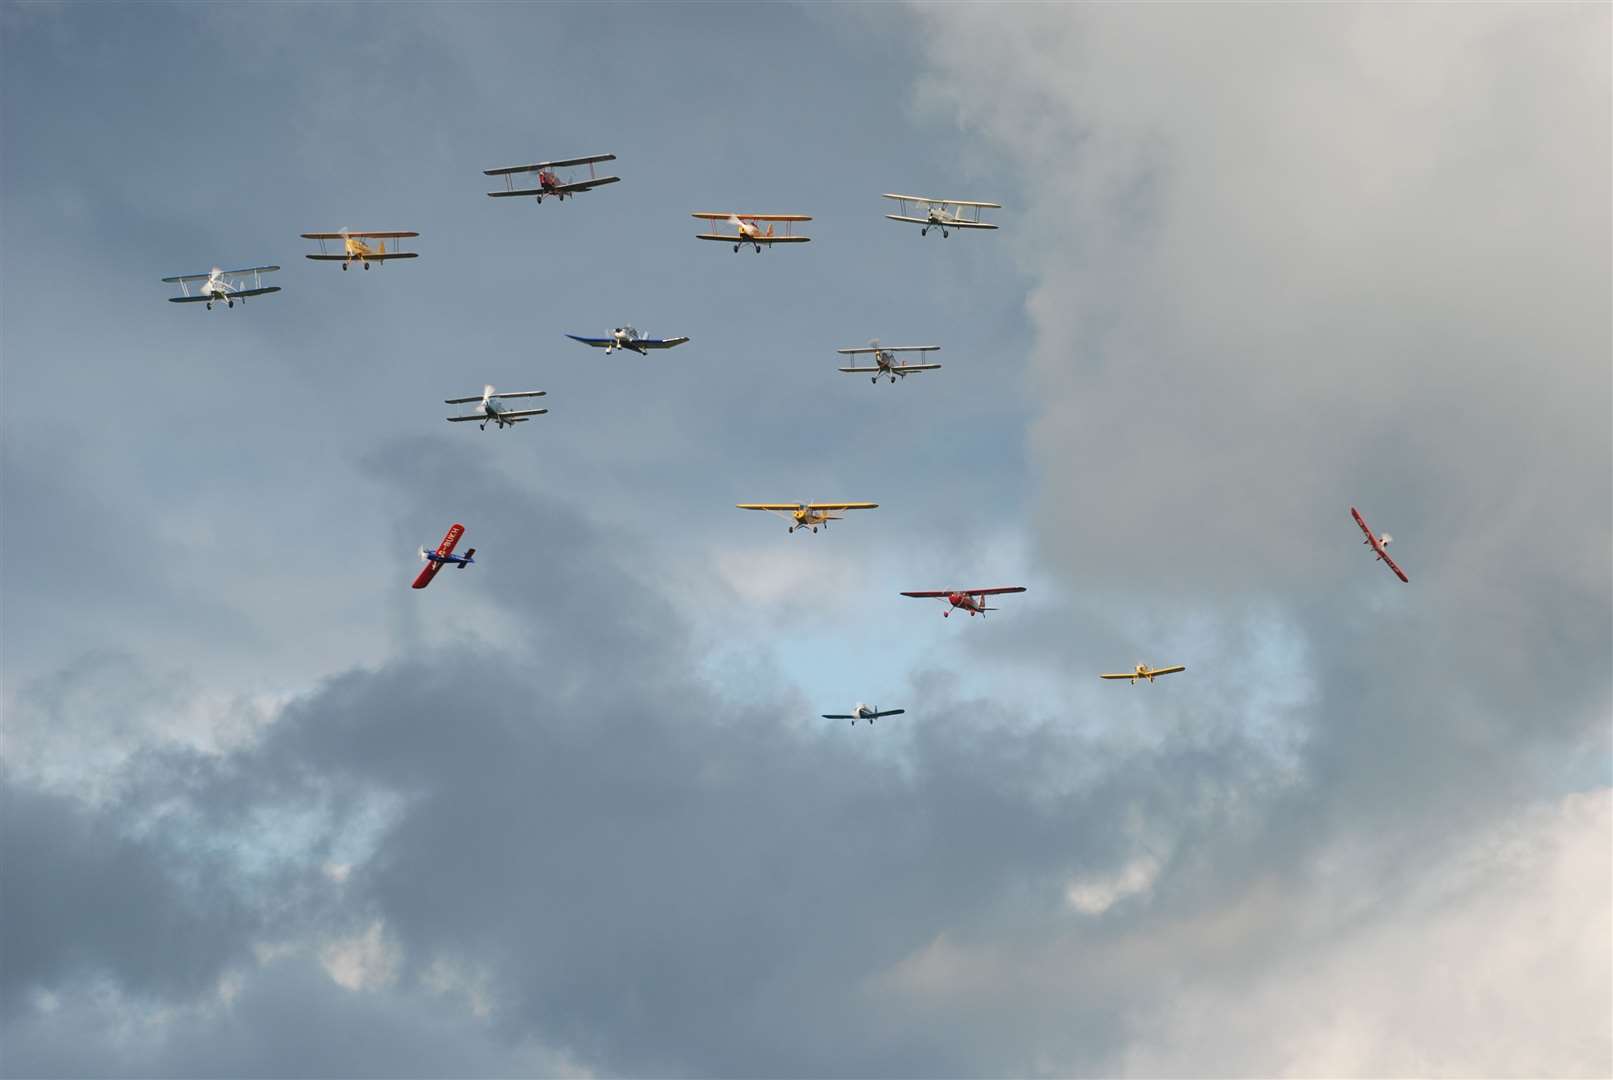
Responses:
[736,249]
[344,266]
[875,379]
[366,266]
[232,303]
[209,307]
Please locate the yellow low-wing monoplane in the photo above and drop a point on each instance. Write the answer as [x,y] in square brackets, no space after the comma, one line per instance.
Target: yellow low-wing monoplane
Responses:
[808,515]
[356,250]
[1145,672]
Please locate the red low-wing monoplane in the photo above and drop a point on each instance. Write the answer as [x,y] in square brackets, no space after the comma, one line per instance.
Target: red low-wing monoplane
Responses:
[1378,544]
[971,600]
[436,560]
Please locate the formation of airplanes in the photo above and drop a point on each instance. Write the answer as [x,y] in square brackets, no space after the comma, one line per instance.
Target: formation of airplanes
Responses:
[749,229]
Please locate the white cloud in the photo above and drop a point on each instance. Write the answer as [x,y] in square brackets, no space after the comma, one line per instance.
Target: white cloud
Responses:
[365,961]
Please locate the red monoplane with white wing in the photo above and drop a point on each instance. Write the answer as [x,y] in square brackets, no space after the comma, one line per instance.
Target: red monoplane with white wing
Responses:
[1378,544]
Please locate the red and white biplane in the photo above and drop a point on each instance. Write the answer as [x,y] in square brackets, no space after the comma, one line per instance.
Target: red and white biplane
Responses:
[1378,545]
[971,600]
[549,181]
[746,231]
[436,560]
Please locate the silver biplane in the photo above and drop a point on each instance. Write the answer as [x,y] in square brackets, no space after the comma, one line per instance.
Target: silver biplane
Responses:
[937,214]
[226,285]
[550,182]
[885,362]
[488,409]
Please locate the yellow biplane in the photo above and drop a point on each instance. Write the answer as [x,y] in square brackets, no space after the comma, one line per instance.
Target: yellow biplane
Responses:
[808,515]
[1145,672]
[746,231]
[356,249]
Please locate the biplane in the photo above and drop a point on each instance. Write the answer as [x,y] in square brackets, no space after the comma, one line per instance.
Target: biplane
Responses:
[1143,671]
[938,216]
[356,249]
[626,337]
[971,600]
[488,409]
[808,515]
[746,231]
[436,560]
[863,712]
[226,285]
[550,182]
[1379,544]
[885,362]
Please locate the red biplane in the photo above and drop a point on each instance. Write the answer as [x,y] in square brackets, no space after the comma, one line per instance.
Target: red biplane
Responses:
[550,182]
[971,600]
[1378,544]
[436,560]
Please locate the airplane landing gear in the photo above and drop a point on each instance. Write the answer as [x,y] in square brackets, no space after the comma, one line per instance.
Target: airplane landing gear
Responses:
[366,266]
[210,305]
[232,303]
[344,266]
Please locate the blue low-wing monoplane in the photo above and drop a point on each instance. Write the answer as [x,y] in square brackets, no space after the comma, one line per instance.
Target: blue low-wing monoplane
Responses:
[626,337]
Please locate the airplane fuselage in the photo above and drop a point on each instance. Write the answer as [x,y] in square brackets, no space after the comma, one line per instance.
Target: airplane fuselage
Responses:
[811,519]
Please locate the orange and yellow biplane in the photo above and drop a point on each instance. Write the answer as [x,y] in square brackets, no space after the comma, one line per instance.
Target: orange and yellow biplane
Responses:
[746,231]
[356,249]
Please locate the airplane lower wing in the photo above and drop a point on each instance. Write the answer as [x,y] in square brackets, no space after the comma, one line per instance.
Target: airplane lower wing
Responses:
[515,417]
[191,299]
[515,193]
[584,185]
[968,225]
[462,419]
[735,238]
[372,257]
[257,292]
[914,220]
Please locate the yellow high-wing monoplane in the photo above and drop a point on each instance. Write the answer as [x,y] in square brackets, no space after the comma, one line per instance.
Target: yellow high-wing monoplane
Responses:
[807,515]
[1145,672]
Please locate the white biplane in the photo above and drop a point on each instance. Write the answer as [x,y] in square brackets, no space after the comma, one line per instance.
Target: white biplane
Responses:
[808,515]
[550,182]
[746,231]
[226,285]
[885,362]
[488,410]
[355,249]
[938,216]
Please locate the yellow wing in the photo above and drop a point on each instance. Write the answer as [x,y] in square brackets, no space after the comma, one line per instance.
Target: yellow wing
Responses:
[1165,670]
[841,506]
[1126,675]
[770,506]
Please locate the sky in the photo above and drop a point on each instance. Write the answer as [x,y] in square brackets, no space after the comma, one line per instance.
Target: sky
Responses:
[268,811]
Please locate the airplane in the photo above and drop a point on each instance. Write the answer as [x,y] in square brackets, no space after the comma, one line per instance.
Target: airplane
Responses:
[747,232]
[971,600]
[937,216]
[626,337]
[549,182]
[885,363]
[225,285]
[863,712]
[807,515]
[1379,544]
[354,248]
[1145,672]
[487,408]
[436,560]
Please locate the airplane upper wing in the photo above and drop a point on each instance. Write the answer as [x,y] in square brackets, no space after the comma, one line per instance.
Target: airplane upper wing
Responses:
[842,506]
[943,202]
[251,270]
[188,277]
[560,164]
[770,506]
[994,592]
[752,217]
[927,594]
[363,235]
[889,348]
[521,393]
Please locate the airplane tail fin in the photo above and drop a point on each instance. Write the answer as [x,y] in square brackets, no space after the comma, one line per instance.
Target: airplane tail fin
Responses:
[469,558]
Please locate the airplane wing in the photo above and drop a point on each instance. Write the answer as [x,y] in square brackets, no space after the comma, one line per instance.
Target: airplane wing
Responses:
[706,216]
[957,224]
[659,343]
[888,712]
[561,164]
[372,257]
[904,217]
[967,202]
[462,419]
[513,393]
[513,416]
[888,348]
[250,270]
[427,572]
[1167,670]
[382,235]
[994,592]
[187,277]
[255,292]
[1399,573]
[596,342]
[514,193]
[1122,675]
[773,239]
[1362,522]
[769,506]
[929,594]
[455,531]
[189,299]
[839,716]
[916,367]
[842,506]
[912,198]
[584,185]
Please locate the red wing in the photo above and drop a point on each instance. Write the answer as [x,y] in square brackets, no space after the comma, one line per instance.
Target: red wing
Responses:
[427,572]
[927,595]
[995,592]
[1399,573]
[1361,521]
[455,531]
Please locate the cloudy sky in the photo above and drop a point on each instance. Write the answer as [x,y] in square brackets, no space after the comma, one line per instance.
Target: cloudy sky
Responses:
[268,812]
